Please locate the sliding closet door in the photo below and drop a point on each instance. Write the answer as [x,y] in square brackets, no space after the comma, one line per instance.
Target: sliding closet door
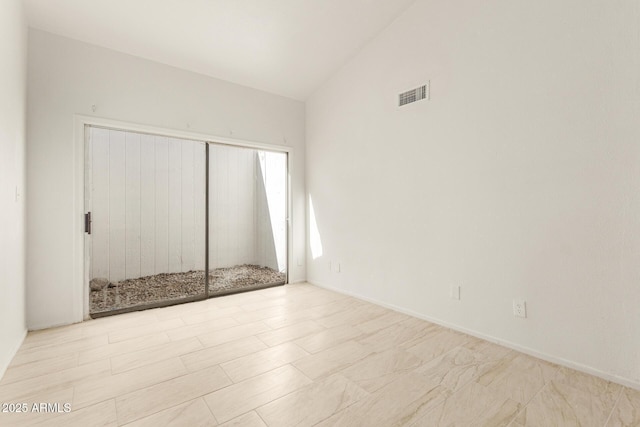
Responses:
[247,219]
[147,199]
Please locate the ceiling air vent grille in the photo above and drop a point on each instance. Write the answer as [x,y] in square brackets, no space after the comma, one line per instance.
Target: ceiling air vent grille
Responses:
[413,95]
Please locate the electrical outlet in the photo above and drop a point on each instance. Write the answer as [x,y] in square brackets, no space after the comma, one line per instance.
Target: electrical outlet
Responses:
[337,267]
[299,262]
[455,292]
[519,308]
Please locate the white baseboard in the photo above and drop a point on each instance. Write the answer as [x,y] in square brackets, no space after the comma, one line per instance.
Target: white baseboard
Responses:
[526,350]
[12,353]
[40,327]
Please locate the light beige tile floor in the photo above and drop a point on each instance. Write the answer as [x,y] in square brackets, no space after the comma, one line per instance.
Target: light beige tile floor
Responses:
[295,355]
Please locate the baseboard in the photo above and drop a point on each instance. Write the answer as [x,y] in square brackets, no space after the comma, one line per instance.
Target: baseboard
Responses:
[13,352]
[517,347]
[40,327]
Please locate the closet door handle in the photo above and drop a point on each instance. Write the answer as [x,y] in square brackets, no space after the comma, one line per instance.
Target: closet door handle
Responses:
[87,223]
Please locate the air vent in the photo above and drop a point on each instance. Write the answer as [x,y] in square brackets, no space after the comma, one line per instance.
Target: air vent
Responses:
[414,95]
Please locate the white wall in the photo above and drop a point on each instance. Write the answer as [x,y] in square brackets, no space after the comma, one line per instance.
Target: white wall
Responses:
[519,178]
[232,206]
[13,68]
[67,77]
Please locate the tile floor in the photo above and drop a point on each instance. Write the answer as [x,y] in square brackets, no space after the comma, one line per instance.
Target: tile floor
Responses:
[295,355]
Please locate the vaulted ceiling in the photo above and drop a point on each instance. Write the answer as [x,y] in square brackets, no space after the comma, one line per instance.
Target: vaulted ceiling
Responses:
[286,47]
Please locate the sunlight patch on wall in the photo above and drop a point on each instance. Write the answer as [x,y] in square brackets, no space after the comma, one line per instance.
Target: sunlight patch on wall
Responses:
[314,235]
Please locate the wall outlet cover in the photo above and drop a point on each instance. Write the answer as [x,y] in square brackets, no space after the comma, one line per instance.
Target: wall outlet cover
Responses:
[455,292]
[519,308]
